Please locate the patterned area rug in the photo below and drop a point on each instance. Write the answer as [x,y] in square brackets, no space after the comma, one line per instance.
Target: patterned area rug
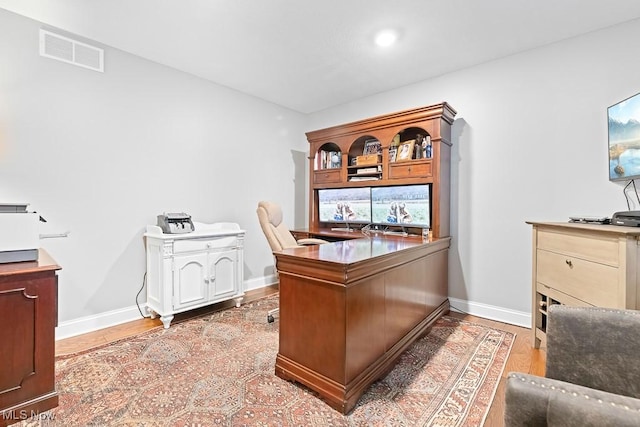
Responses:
[218,370]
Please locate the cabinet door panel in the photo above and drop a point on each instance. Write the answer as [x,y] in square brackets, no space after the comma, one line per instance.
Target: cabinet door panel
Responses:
[223,273]
[28,307]
[190,287]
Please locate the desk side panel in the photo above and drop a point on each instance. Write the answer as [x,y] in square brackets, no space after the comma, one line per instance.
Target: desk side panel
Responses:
[412,293]
[312,319]
[365,325]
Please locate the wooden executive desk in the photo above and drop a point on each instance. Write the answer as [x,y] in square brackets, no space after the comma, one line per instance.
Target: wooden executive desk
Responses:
[348,309]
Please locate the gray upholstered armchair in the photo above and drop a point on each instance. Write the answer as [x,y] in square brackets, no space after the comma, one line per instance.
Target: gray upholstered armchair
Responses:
[592,372]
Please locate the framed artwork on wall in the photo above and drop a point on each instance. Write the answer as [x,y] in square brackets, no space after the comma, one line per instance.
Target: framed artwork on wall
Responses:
[624,139]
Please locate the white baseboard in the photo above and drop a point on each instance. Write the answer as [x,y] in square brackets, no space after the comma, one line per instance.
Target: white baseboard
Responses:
[492,312]
[83,325]
[260,282]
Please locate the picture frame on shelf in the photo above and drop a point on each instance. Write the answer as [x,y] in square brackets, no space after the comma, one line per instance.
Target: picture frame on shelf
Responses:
[405,150]
[393,153]
[372,146]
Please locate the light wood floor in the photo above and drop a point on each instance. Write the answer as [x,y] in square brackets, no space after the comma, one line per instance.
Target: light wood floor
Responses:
[523,358]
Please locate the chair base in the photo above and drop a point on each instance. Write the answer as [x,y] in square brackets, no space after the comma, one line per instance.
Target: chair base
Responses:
[270,313]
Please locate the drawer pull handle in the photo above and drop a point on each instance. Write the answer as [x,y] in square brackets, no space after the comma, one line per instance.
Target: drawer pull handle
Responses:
[569,263]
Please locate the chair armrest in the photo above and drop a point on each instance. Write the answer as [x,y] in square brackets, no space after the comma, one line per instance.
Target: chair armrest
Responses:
[538,401]
[595,347]
[311,241]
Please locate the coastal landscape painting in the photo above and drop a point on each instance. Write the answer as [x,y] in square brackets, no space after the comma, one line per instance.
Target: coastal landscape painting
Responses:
[624,139]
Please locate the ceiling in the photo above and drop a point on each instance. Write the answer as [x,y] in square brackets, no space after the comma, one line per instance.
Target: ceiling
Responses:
[311,55]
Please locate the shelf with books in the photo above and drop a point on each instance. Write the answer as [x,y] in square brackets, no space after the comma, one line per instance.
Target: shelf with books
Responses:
[329,156]
[413,143]
[330,159]
[364,172]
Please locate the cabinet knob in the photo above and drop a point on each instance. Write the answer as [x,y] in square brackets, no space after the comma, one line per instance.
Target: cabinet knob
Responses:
[569,263]
[206,280]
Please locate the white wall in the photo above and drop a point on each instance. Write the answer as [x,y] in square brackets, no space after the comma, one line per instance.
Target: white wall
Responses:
[101,154]
[530,143]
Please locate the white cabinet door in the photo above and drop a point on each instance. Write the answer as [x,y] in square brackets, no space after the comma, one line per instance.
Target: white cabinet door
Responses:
[224,280]
[190,280]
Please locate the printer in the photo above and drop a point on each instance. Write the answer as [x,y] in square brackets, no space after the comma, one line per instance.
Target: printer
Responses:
[19,235]
[627,218]
[175,223]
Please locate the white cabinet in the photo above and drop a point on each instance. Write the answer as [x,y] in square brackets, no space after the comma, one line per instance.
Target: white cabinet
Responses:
[186,271]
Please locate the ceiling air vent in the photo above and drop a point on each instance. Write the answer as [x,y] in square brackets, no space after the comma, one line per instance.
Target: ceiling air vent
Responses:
[71,51]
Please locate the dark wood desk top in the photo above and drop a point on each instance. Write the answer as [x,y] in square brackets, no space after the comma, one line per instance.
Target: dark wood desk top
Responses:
[360,247]
[43,263]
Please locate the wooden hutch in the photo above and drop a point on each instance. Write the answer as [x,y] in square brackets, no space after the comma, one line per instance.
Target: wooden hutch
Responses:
[348,141]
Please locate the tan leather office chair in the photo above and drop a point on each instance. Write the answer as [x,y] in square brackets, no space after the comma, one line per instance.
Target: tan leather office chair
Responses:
[278,235]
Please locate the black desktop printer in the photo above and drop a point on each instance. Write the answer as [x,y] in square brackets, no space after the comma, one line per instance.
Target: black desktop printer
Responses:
[627,218]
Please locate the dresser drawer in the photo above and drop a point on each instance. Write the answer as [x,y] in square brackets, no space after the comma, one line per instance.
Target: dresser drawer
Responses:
[410,169]
[194,245]
[326,176]
[593,247]
[592,282]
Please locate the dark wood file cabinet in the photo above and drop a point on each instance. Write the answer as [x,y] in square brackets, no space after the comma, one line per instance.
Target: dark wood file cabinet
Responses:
[28,317]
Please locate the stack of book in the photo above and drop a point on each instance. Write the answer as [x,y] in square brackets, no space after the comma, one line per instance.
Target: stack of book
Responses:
[363,171]
[364,178]
[330,159]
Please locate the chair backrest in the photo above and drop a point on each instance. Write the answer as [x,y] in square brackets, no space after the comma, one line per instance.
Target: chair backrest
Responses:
[277,234]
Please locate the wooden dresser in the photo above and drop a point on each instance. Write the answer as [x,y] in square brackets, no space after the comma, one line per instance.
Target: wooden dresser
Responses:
[582,265]
[28,317]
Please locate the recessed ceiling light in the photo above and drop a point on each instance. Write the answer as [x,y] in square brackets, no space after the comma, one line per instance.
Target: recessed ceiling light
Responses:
[386,38]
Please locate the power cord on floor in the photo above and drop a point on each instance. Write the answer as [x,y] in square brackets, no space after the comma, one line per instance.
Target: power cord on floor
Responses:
[144,281]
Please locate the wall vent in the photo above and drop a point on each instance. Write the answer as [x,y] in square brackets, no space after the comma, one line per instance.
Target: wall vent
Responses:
[71,51]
